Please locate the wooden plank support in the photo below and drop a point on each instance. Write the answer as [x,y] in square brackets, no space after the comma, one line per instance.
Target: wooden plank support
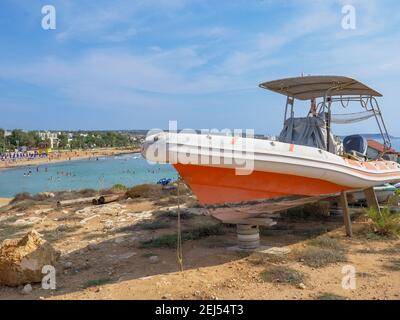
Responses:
[251,221]
[346,214]
[372,201]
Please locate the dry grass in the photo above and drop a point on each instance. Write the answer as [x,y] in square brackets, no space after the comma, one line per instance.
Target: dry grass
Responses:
[316,257]
[96,282]
[393,265]
[170,240]
[280,274]
[154,225]
[150,191]
[326,242]
[329,296]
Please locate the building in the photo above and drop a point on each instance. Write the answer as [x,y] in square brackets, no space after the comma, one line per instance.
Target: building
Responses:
[375,148]
[52,136]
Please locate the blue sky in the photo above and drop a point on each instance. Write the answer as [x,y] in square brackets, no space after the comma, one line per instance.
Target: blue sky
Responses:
[138,64]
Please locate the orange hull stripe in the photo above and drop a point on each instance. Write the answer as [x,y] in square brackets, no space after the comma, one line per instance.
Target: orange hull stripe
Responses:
[221,185]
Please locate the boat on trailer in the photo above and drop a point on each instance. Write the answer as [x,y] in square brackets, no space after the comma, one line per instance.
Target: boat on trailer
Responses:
[306,160]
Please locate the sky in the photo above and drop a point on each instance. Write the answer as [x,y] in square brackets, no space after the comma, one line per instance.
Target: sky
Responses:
[141,63]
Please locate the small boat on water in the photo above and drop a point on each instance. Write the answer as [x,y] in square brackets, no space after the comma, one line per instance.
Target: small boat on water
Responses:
[307,160]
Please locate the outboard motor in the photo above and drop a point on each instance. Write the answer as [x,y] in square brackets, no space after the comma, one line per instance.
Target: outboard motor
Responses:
[355,144]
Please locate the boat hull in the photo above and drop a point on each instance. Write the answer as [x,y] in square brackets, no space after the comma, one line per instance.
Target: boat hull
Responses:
[213,185]
[213,167]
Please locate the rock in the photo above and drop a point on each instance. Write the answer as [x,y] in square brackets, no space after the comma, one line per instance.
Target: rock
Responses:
[22,260]
[108,224]
[68,265]
[42,211]
[27,289]
[302,286]
[154,259]
[92,246]
[20,214]
[84,221]
[47,194]
[127,255]
[119,240]
[27,222]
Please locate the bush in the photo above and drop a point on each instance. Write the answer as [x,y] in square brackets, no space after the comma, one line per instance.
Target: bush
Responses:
[119,187]
[384,223]
[21,197]
[152,191]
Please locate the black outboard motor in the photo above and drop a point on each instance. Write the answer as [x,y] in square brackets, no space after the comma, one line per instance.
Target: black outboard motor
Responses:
[355,144]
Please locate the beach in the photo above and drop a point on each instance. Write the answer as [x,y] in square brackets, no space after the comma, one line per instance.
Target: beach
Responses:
[63,155]
[4,201]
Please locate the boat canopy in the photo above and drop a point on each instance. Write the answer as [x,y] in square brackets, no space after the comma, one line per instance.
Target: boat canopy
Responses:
[309,87]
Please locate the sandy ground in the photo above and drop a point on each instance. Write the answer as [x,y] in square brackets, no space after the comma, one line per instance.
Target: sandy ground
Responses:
[102,255]
[58,156]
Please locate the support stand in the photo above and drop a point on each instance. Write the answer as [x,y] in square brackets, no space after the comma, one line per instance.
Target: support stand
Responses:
[346,214]
[372,201]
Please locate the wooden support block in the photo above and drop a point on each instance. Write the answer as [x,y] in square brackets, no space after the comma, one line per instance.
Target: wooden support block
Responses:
[346,214]
[372,201]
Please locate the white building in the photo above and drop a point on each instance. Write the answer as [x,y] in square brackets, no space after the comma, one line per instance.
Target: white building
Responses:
[52,136]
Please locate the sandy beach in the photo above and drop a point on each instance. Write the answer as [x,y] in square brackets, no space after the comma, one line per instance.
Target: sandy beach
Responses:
[58,156]
[4,201]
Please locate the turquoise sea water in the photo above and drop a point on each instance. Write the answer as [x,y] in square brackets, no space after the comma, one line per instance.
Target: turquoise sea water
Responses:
[396,144]
[129,170]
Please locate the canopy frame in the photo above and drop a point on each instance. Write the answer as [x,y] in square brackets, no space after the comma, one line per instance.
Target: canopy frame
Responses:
[332,89]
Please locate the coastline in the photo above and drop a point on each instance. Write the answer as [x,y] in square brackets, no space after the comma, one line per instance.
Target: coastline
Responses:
[65,156]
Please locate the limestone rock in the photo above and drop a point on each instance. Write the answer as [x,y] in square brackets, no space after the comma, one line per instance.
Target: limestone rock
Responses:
[27,289]
[22,260]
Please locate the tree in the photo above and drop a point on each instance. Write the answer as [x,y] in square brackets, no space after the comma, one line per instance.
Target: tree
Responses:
[62,140]
[2,140]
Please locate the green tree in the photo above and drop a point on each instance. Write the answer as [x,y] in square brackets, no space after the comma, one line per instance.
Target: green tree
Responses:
[62,140]
[2,140]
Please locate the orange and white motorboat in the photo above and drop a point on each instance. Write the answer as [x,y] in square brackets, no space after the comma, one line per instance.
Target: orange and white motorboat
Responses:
[306,159]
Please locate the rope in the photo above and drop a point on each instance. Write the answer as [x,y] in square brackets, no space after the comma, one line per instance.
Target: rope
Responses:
[179,249]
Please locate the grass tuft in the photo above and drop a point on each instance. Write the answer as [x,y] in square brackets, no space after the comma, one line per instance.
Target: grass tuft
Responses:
[96,282]
[394,265]
[330,296]
[282,275]
[325,242]
[170,241]
[154,225]
[316,257]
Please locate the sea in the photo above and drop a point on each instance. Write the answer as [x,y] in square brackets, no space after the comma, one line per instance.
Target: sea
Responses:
[128,169]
